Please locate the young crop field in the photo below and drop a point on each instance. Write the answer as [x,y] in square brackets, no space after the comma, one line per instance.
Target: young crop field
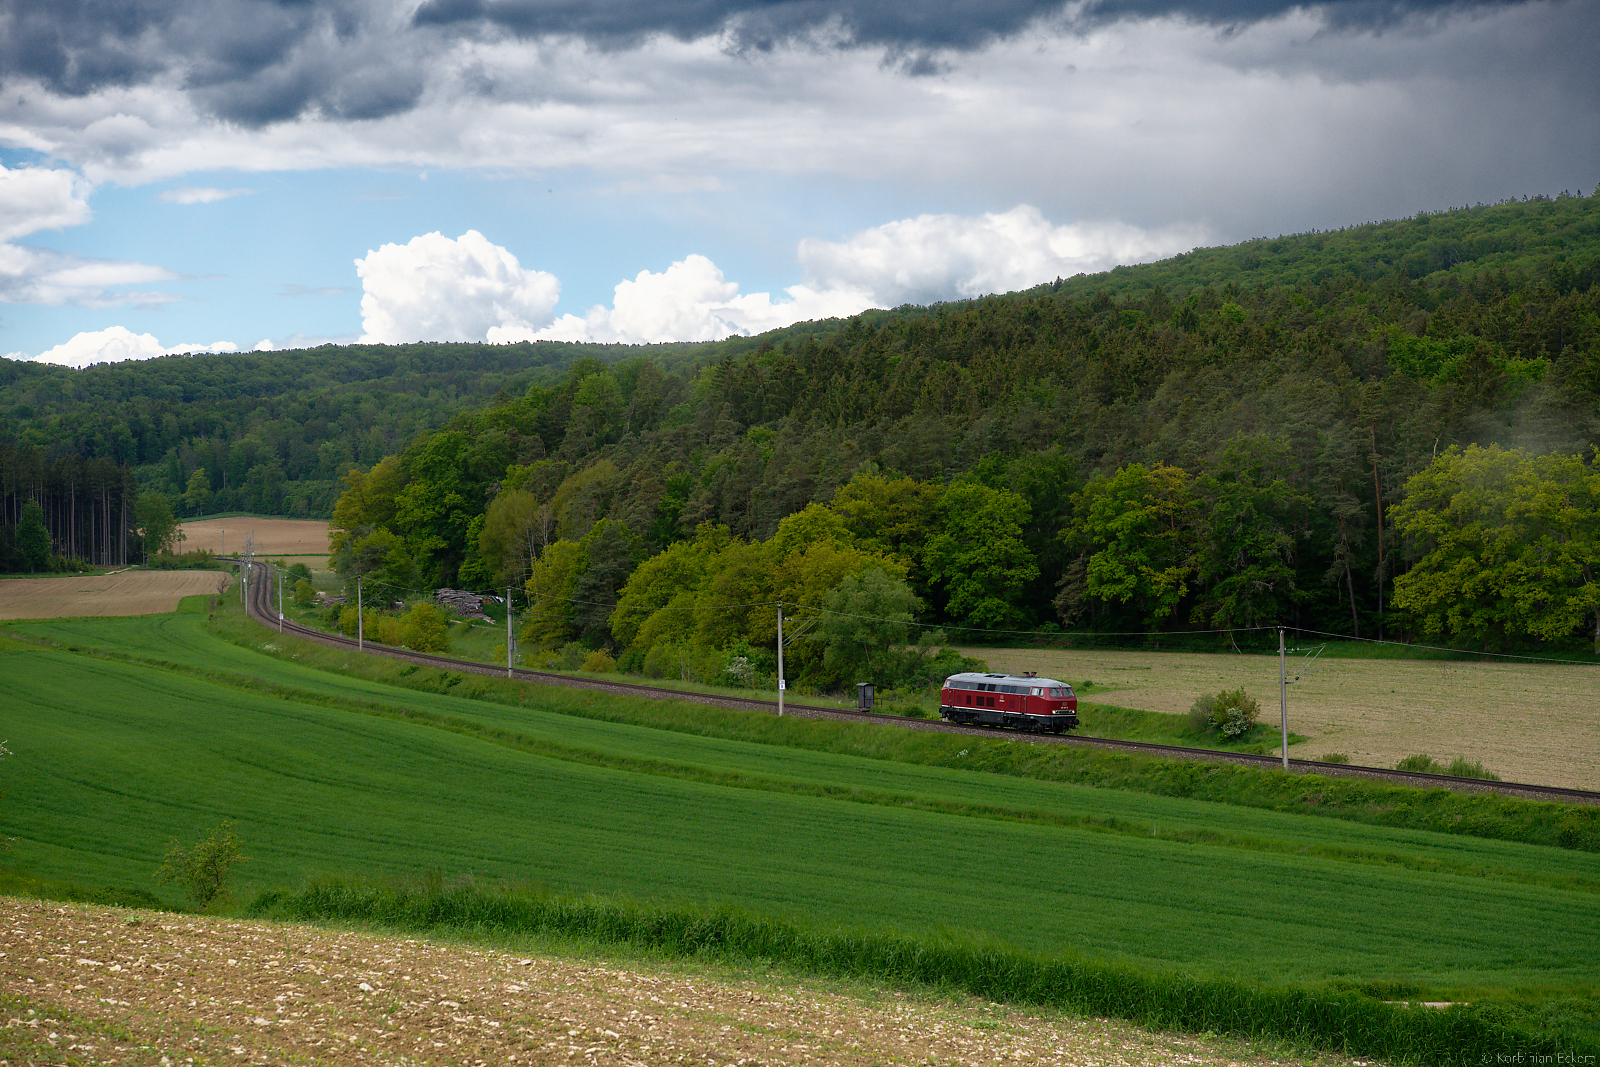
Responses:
[323,772]
[304,540]
[123,593]
[1527,722]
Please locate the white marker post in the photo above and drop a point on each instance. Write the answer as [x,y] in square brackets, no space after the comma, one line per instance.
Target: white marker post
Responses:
[361,633]
[781,682]
[280,598]
[511,640]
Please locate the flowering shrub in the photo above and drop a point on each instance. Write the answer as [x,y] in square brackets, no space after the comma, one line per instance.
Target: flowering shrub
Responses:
[1231,712]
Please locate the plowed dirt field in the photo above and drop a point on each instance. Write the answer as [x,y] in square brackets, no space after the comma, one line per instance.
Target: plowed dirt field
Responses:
[86,985]
[124,593]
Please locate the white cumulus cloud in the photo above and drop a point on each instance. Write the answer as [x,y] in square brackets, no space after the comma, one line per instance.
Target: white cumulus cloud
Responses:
[114,345]
[434,288]
[954,257]
[40,198]
[691,301]
[919,260]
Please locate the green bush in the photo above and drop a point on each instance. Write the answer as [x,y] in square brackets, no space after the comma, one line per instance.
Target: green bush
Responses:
[304,595]
[1422,763]
[199,560]
[710,668]
[424,629]
[1461,767]
[599,662]
[665,660]
[1231,712]
[385,630]
[203,871]
[1335,757]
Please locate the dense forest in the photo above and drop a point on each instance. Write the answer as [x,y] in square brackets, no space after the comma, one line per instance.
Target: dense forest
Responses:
[270,432]
[1227,439]
[1106,458]
[67,513]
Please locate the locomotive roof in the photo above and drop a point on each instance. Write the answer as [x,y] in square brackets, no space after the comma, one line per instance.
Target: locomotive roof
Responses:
[1006,679]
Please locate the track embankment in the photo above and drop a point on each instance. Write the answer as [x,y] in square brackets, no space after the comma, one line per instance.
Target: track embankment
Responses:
[262,610]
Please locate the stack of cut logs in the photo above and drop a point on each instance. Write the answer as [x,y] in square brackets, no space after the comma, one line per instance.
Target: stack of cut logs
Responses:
[468,605]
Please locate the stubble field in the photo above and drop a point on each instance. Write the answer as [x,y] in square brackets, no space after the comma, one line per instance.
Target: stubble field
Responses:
[296,539]
[124,593]
[1527,722]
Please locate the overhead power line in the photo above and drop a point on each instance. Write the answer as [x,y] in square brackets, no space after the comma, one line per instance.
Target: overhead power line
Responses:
[1444,648]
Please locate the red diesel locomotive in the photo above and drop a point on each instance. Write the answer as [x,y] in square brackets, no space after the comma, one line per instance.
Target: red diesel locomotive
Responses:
[1024,702]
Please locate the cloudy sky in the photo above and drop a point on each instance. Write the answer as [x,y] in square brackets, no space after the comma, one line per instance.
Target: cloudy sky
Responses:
[216,174]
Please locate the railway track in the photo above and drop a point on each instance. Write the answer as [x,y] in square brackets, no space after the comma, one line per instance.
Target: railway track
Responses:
[260,607]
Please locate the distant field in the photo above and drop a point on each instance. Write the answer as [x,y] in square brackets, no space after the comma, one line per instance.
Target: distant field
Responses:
[125,593]
[1526,722]
[273,537]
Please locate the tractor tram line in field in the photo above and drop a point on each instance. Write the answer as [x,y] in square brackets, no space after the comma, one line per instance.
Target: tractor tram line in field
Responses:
[261,608]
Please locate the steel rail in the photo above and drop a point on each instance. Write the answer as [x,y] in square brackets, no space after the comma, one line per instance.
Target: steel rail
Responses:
[260,608]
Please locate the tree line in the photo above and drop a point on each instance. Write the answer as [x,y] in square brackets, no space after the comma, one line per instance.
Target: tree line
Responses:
[65,514]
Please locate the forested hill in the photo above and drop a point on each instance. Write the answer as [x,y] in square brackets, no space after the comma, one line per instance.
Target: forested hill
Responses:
[1531,235]
[1218,440]
[1219,456]
[271,431]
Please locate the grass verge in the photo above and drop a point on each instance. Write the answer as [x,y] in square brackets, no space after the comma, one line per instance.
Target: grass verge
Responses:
[20,884]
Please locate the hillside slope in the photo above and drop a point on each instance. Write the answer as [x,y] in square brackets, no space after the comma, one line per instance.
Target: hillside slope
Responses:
[1270,430]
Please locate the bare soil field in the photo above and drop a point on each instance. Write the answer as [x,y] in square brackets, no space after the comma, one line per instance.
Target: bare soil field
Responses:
[108,986]
[273,537]
[123,593]
[1526,722]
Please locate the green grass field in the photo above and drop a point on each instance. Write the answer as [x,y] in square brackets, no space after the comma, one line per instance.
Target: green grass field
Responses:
[128,733]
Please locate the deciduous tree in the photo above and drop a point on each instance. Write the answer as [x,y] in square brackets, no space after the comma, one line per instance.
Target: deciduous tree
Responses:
[1509,543]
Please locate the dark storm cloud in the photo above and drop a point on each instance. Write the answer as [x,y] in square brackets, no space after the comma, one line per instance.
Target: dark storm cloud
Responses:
[896,24]
[255,62]
[247,61]
[941,23]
